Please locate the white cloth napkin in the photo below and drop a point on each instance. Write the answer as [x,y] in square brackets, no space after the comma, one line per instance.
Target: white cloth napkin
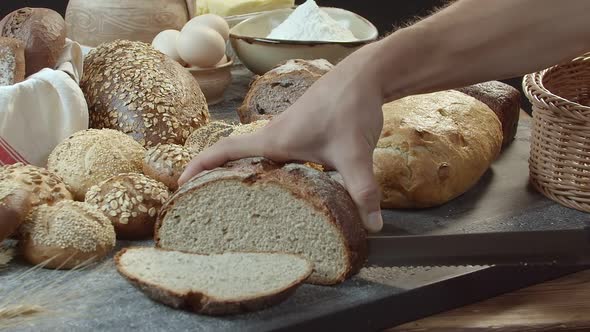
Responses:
[43,110]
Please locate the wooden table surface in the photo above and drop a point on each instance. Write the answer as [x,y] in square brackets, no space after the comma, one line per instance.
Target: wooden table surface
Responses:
[559,305]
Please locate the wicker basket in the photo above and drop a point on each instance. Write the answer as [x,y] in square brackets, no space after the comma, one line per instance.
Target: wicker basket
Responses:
[560,141]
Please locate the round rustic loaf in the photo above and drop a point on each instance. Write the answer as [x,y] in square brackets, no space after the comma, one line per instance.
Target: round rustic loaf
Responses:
[66,235]
[45,187]
[91,156]
[256,205]
[273,92]
[15,204]
[42,30]
[131,201]
[165,163]
[131,87]
[208,135]
[433,148]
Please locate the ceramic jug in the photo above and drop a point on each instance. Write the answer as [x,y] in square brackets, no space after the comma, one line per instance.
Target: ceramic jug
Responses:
[92,22]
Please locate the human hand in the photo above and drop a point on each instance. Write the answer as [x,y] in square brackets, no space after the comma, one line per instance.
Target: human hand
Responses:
[336,123]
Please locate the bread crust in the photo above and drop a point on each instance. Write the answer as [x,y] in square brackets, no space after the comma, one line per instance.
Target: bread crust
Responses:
[433,148]
[292,78]
[14,207]
[18,50]
[201,303]
[131,87]
[326,195]
[43,32]
[504,100]
[166,163]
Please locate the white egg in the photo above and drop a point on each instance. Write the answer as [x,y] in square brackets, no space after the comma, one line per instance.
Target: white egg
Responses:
[200,46]
[165,42]
[212,21]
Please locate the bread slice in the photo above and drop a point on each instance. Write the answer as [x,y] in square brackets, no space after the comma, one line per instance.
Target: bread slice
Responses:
[273,92]
[255,205]
[12,61]
[222,284]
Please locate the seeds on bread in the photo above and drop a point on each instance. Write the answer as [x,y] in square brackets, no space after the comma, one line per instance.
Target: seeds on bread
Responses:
[12,61]
[131,87]
[257,205]
[66,235]
[165,163]
[91,156]
[208,135]
[131,201]
[239,283]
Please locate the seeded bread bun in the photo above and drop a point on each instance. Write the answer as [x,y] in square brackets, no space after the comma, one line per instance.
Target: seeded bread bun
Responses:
[165,163]
[12,61]
[15,204]
[91,156]
[42,30]
[208,135]
[131,87]
[273,92]
[249,128]
[433,148]
[131,201]
[45,187]
[66,235]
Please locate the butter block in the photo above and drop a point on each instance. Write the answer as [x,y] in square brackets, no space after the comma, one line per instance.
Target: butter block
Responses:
[239,7]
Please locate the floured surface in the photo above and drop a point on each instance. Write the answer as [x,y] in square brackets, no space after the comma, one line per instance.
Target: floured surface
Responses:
[501,201]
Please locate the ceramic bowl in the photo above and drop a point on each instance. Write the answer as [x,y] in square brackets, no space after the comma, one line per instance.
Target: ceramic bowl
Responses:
[260,54]
[213,81]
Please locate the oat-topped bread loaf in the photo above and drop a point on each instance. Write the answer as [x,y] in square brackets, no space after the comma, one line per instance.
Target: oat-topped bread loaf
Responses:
[208,135]
[223,284]
[131,201]
[15,205]
[433,148]
[45,186]
[91,156]
[166,162]
[256,205]
[12,61]
[273,92]
[43,32]
[66,235]
[504,100]
[138,90]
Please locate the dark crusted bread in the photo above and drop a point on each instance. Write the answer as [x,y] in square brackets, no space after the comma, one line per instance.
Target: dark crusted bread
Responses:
[12,61]
[273,92]
[131,87]
[504,100]
[239,283]
[43,32]
[256,205]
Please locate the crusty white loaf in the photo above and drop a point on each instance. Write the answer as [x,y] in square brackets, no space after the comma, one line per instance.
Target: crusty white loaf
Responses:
[257,205]
[133,88]
[238,283]
[15,204]
[273,92]
[433,148]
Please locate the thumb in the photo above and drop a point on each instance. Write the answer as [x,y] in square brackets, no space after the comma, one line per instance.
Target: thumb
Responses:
[361,185]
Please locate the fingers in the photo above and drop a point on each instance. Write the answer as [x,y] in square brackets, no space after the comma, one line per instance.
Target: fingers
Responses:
[363,188]
[227,149]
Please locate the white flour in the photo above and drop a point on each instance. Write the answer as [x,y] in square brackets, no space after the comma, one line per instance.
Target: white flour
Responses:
[309,23]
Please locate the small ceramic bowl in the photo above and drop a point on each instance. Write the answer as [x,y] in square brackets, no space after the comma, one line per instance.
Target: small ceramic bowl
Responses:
[213,81]
[260,54]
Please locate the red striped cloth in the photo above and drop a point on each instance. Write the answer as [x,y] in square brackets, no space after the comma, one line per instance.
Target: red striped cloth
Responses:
[8,155]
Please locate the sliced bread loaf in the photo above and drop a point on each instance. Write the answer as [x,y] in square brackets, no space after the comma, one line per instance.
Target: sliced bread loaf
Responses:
[223,284]
[255,205]
[12,61]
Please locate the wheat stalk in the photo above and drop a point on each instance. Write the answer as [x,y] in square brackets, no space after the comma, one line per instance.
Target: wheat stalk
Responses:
[33,301]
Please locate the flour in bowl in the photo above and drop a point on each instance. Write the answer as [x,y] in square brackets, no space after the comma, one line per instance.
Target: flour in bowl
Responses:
[310,23]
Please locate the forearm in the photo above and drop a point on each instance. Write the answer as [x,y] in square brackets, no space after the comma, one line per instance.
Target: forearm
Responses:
[473,41]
